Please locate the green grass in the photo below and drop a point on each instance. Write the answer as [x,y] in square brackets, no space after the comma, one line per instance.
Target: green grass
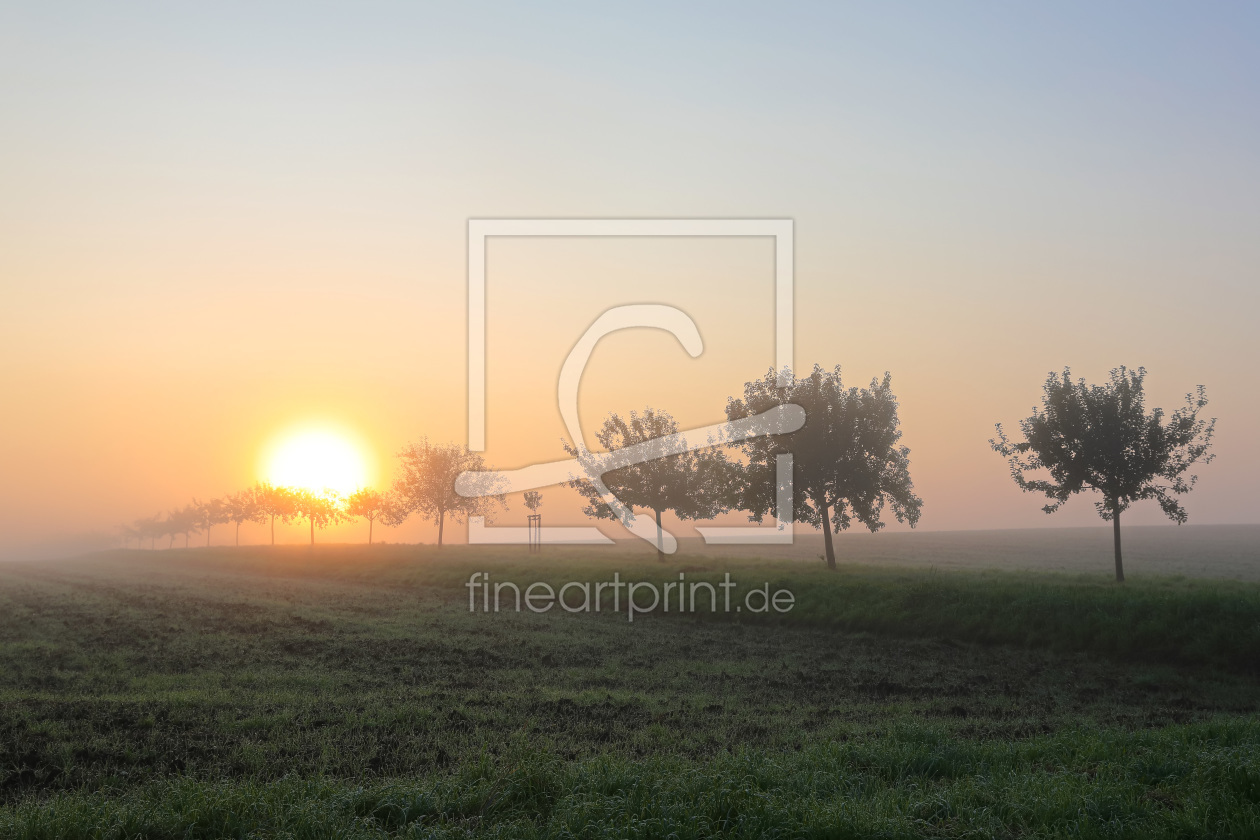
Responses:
[1198,780]
[347,692]
[1179,620]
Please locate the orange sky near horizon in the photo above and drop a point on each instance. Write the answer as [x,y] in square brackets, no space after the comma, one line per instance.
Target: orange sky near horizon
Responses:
[216,233]
[145,433]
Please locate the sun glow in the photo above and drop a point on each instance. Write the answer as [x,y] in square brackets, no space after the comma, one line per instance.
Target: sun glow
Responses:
[317,460]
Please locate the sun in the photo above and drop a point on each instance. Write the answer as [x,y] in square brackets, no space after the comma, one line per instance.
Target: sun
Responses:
[318,460]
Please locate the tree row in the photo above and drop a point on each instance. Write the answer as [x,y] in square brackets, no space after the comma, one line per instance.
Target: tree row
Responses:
[848,465]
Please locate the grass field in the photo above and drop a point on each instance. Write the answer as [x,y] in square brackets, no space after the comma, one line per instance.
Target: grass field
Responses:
[1212,551]
[348,692]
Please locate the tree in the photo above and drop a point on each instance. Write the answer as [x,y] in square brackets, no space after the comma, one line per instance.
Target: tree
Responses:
[396,513]
[245,506]
[274,503]
[319,509]
[427,484]
[127,533]
[533,501]
[693,484]
[208,514]
[183,521]
[847,463]
[147,528]
[1100,437]
[370,505]
[169,527]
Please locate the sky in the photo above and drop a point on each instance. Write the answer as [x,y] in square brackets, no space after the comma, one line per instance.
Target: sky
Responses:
[223,224]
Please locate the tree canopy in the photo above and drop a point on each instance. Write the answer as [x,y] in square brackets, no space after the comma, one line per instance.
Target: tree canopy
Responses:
[319,509]
[209,513]
[693,485]
[274,503]
[1100,437]
[427,483]
[245,506]
[847,463]
[183,520]
[370,504]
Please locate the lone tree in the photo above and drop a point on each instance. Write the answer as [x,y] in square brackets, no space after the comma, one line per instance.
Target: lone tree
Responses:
[533,529]
[371,505]
[694,485]
[319,509]
[533,500]
[427,484]
[1100,437]
[846,461]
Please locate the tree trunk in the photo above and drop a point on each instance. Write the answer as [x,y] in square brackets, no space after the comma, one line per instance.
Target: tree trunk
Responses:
[273,529]
[207,537]
[826,526]
[441,523]
[238,535]
[312,532]
[370,531]
[660,539]
[1115,530]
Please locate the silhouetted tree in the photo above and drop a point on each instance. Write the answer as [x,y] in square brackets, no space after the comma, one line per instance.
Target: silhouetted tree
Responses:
[427,484]
[319,509]
[371,505]
[150,528]
[846,460]
[694,485]
[245,506]
[274,503]
[127,533]
[147,528]
[169,527]
[208,514]
[395,513]
[1100,437]
[184,521]
[533,500]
